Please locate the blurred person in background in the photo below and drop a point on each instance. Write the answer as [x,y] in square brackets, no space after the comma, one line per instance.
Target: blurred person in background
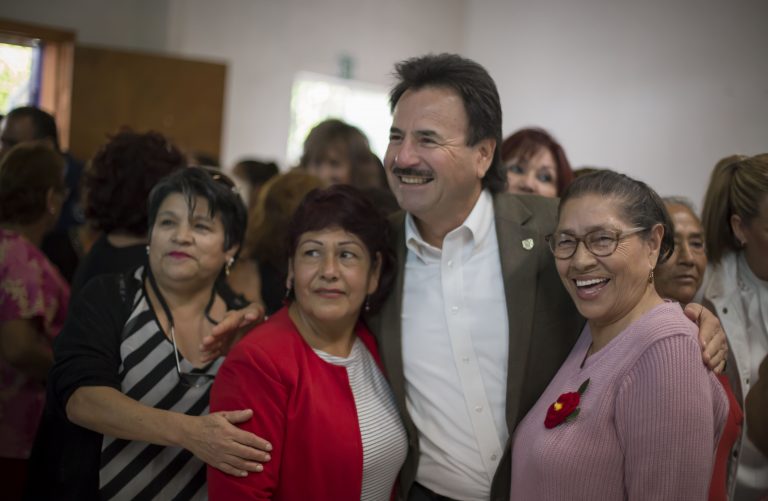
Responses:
[33,299]
[535,163]
[65,242]
[260,272]
[117,183]
[203,159]
[254,174]
[735,219]
[679,279]
[339,153]
[757,410]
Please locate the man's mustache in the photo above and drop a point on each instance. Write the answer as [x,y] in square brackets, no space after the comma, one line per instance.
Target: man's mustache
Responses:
[411,172]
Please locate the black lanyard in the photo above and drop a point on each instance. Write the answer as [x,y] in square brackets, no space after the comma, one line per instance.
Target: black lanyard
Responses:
[164,305]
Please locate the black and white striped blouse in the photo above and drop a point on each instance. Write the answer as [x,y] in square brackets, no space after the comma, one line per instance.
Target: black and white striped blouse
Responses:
[148,374]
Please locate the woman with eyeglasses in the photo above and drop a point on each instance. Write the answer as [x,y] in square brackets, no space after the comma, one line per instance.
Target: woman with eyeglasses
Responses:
[632,413]
[312,373]
[128,393]
[33,299]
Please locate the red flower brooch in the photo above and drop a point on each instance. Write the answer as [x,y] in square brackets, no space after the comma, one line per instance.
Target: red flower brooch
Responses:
[566,408]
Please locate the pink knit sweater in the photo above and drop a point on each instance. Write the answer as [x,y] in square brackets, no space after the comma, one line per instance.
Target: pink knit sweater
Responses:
[648,426]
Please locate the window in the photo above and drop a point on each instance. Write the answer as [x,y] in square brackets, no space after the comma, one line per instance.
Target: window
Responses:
[315,98]
[19,75]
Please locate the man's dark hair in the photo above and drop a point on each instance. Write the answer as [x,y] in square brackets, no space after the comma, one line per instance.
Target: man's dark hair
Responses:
[478,92]
[43,124]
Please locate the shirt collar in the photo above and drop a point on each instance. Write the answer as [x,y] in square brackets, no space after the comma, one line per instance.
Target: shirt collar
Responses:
[476,228]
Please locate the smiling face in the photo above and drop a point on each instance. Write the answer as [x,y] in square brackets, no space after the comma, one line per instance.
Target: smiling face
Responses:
[332,273]
[537,174]
[432,172]
[680,276]
[608,291]
[187,247]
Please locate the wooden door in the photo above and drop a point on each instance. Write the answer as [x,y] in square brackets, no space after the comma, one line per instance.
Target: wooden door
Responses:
[180,98]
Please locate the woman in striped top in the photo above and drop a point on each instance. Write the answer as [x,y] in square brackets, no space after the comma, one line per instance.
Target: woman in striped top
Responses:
[312,373]
[128,415]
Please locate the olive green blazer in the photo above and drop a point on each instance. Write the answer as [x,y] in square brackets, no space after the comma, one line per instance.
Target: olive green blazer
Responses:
[543,322]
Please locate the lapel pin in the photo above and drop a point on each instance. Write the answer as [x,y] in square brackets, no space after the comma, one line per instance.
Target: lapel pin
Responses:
[527,244]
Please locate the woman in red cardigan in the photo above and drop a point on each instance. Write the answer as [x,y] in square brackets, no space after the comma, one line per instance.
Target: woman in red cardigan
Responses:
[311,373]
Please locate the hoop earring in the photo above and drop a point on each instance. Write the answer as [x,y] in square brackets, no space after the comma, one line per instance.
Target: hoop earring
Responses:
[650,277]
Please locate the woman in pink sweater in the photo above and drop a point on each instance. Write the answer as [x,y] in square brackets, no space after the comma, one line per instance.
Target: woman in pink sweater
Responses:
[632,413]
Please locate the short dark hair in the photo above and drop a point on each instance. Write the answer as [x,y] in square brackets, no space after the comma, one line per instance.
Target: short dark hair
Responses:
[345,207]
[27,172]
[640,205]
[477,91]
[525,143]
[43,123]
[222,198]
[121,175]
[256,172]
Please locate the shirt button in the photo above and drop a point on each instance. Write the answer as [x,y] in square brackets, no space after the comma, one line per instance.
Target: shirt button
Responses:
[450,264]
[455,309]
[478,408]
[494,457]
[465,360]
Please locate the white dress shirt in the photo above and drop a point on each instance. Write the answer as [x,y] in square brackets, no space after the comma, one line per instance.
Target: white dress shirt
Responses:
[455,352]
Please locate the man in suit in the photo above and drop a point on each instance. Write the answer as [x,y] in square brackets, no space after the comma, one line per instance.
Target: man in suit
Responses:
[478,321]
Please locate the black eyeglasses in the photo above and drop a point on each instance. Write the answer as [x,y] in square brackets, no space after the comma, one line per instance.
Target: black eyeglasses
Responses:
[192,379]
[601,243]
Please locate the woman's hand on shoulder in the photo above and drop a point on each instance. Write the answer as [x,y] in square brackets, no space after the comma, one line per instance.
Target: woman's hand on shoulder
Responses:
[215,440]
[235,325]
[711,336]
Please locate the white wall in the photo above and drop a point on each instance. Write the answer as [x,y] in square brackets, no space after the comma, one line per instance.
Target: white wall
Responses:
[266,42]
[127,24]
[657,89]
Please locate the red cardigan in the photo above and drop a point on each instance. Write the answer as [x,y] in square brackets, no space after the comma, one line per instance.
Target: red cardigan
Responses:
[302,405]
